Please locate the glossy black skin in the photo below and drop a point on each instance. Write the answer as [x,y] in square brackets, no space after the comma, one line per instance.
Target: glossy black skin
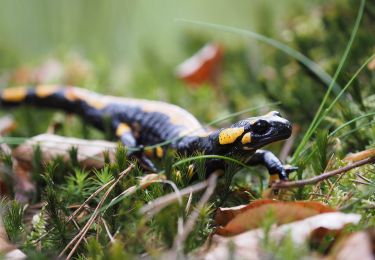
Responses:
[263,129]
[156,127]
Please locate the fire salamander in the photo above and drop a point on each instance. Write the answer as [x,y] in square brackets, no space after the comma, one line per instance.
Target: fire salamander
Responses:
[138,123]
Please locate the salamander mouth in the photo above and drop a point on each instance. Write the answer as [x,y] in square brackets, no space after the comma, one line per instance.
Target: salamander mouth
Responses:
[263,141]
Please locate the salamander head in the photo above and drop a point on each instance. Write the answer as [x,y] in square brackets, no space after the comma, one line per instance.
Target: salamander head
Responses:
[255,132]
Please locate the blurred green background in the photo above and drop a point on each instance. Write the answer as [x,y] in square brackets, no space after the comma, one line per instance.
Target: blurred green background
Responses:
[119,30]
[132,48]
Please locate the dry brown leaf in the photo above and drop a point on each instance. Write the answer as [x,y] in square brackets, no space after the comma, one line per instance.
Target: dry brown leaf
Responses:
[90,155]
[243,218]
[90,152]
[359,245]
[201,67]
[248,245]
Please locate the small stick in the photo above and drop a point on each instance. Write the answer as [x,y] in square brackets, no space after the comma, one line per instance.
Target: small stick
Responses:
[323,176]
[188,204]
[107,230]
[363,178]
[158,204]
[88,199]
[362,182]
[189,225]
[77,210]
[333,186]
[78,228]
[78,238]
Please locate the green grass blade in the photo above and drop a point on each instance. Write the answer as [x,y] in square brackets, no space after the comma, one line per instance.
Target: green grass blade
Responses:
[350,122]
[327,110]
[344,135]
[334,132]
[209,156]
[313,126]
[310,64]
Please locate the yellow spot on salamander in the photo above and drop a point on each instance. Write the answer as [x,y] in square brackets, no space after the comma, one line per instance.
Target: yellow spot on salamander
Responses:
[93,100]
[229,135]
[246,139]
[71,95]
[45,91]
[96,103]
[121,129]
[14,94]
[159,152]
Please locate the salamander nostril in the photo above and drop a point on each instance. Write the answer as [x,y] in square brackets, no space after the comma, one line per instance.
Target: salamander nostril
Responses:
[277,113]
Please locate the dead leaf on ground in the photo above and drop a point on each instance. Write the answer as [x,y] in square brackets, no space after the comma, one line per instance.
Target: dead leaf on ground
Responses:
[90,155]
[242,218]
[359,245]
[248,245]
[202,67]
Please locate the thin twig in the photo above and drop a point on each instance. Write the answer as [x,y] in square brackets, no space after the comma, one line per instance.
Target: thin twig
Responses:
[363,178]
[78,228]
[189,226]
[107,230]
[135,188]
[78,238]
[333,186]
[323,176]
[158,204]
[315,194]
[362,182]
[77,210]
[88,199]
[188,204]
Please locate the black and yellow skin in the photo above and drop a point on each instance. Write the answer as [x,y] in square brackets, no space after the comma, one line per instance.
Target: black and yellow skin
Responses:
[139,123]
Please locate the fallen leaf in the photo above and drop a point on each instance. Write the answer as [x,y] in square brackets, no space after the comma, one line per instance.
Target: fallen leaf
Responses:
[245,217]
[248,245]
[202,67]
[359,245]
[90,155]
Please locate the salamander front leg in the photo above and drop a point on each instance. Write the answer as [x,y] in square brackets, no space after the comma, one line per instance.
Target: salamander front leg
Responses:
[276,169]
[143,161]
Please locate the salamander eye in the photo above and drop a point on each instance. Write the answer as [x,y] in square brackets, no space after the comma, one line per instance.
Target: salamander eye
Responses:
[261,127]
